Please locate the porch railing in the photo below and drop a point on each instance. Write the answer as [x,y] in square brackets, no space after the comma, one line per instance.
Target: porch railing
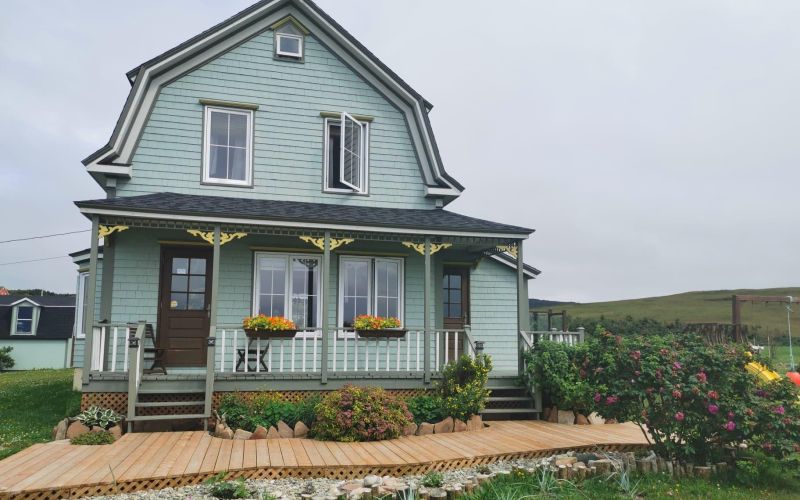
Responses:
[571,338]
[110,352]
[347,352]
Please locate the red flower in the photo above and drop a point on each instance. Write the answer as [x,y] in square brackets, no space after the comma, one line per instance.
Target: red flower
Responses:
[702,377]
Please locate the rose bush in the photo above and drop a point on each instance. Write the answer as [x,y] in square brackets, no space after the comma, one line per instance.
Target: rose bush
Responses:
[360,414]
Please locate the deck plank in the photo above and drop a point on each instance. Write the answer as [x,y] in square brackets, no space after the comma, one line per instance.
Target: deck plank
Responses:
[51,469]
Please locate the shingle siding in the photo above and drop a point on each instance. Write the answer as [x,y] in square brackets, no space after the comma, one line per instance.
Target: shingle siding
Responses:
[288,129]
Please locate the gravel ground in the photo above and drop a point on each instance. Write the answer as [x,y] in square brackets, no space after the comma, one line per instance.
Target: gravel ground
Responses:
[291,488]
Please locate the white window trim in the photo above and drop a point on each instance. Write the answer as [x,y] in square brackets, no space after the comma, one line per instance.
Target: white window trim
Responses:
[207,179]
[373,299]
[287,287]
[278,50]
[326,158]
[80,305]
[34,320]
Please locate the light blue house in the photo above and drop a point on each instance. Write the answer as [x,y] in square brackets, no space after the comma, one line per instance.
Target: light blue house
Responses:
[272,164]
[38,329]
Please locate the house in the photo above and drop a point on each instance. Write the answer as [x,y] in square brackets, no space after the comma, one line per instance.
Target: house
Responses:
[81,260]
[272,164]
[39,329]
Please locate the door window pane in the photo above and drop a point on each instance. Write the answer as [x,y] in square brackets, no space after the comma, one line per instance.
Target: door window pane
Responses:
[197,284]
[178,301]
[180,265]
[179,283]
[197,302]
[198,266]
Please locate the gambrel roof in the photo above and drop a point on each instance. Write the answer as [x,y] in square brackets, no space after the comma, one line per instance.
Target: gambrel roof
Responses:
[115,158]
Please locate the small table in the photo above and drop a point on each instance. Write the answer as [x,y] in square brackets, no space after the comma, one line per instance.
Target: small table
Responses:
[242,355]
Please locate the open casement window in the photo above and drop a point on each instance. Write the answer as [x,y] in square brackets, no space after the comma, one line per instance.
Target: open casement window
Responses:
[288,285]
[24,320]
[228,146]
[81,304]
[346,155]
[370,285]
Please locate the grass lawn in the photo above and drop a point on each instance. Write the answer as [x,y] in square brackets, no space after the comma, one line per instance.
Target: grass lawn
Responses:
[31,404]
[650,486]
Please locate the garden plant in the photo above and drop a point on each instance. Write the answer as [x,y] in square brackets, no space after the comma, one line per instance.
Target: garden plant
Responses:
[360,414]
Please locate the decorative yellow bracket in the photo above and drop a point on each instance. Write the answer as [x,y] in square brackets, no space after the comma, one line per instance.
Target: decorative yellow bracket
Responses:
[320,242]
[209,236]
[420,247]
[509,249]
[104,231]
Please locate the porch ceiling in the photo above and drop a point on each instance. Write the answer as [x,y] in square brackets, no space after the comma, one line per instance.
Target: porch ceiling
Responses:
[257,216]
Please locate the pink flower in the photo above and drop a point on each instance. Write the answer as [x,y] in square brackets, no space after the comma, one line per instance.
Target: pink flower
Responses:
[597,397]
[702,377]
[713,409]
[679,416]
[713,395]
[677,394]
[731,415]
[730,426]
[780,410]
[676,366]
[636,355]
[610,400]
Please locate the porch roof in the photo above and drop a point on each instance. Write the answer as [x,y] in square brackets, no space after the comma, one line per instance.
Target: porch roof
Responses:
[321,214]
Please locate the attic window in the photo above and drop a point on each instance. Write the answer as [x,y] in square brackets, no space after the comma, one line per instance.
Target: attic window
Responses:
[24,321]
[289,45]
[346,155]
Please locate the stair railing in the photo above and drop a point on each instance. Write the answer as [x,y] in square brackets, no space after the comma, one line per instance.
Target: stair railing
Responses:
[211,353]
[135,367]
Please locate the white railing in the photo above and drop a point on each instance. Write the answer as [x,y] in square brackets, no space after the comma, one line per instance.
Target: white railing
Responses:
[347,351]
[110,348]
[571,338]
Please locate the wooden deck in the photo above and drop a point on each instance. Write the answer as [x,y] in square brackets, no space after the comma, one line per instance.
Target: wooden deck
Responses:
[158,460]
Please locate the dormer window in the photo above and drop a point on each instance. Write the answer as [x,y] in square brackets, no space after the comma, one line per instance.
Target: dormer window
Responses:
[289,39]
[289,45]
[24,319]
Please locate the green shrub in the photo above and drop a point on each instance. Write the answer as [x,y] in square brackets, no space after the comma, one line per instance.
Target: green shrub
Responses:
[432,479]
[96,416]
[558,372]
[265,409]
[627,326]
[93,438]
[227,489]
[360,414]
[425,408]
[462,389]
[6,361]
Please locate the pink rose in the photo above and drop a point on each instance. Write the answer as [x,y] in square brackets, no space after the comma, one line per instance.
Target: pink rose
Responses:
[597,397]
[780,410]
[676,366]
[677,394]
[713,409]
[730,426]
[713,395]
[679,416]
[636,355]
[610,400]
[702,377]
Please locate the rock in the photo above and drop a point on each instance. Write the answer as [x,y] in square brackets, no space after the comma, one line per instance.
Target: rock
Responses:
[284,430]
[611,421]
[475,423]
[392,485]
[272,433]
[444,426]
[219,429]
[356,493]
[75,429]
[553,415]
[565,460]
[259,433]
[424,428]
[300,430]
[372,480]
[459,426]
[580,419]
[566,417]
[60,430]
[596,419]
[603,466]
[351,486]
[546,413]
[242,434]
[410,429]
[227,433]
[116,431]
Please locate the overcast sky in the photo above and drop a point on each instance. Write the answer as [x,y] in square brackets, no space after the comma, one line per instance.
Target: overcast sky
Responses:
[653,145]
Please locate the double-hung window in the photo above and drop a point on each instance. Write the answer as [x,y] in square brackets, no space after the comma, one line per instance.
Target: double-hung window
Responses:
[346,155]
[370,285]
[25,320]
[227,156]
[288,285]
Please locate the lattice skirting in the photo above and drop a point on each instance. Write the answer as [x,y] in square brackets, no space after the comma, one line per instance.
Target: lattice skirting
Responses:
[118,401]
[342,473]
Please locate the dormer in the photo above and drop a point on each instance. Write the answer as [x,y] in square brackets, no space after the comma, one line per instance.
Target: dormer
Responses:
[24,317]
[289,39]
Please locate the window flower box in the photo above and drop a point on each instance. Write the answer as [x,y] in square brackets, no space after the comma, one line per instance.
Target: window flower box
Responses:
[269,327]
[376,327]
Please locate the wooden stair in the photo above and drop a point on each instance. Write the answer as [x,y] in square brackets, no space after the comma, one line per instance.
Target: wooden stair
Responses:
[509,401]
[157,401]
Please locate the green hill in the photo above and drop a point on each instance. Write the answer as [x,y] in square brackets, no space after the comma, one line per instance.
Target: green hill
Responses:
[696,307]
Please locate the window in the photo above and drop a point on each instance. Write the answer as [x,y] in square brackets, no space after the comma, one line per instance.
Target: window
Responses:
[24,320]
[346,155]
[228,146]
[288,286]
[188,284]
[369,285]
[80,306]
[289,45]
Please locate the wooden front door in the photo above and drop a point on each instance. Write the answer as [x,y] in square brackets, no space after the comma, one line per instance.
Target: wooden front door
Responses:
[185,295]
[455,307]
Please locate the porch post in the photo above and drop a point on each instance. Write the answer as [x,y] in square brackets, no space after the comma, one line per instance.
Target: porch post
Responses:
[522,303]
[88,320]
[426,321]
[107,280]
[212,315]
[211,341]
[326,290]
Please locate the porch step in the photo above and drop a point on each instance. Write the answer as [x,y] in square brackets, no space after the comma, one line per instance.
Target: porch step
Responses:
[164,404]
[525,399]
[186,416]
[509,410]
[171,391]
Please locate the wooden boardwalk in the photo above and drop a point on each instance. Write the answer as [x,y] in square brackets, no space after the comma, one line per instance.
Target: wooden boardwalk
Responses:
[158,460]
